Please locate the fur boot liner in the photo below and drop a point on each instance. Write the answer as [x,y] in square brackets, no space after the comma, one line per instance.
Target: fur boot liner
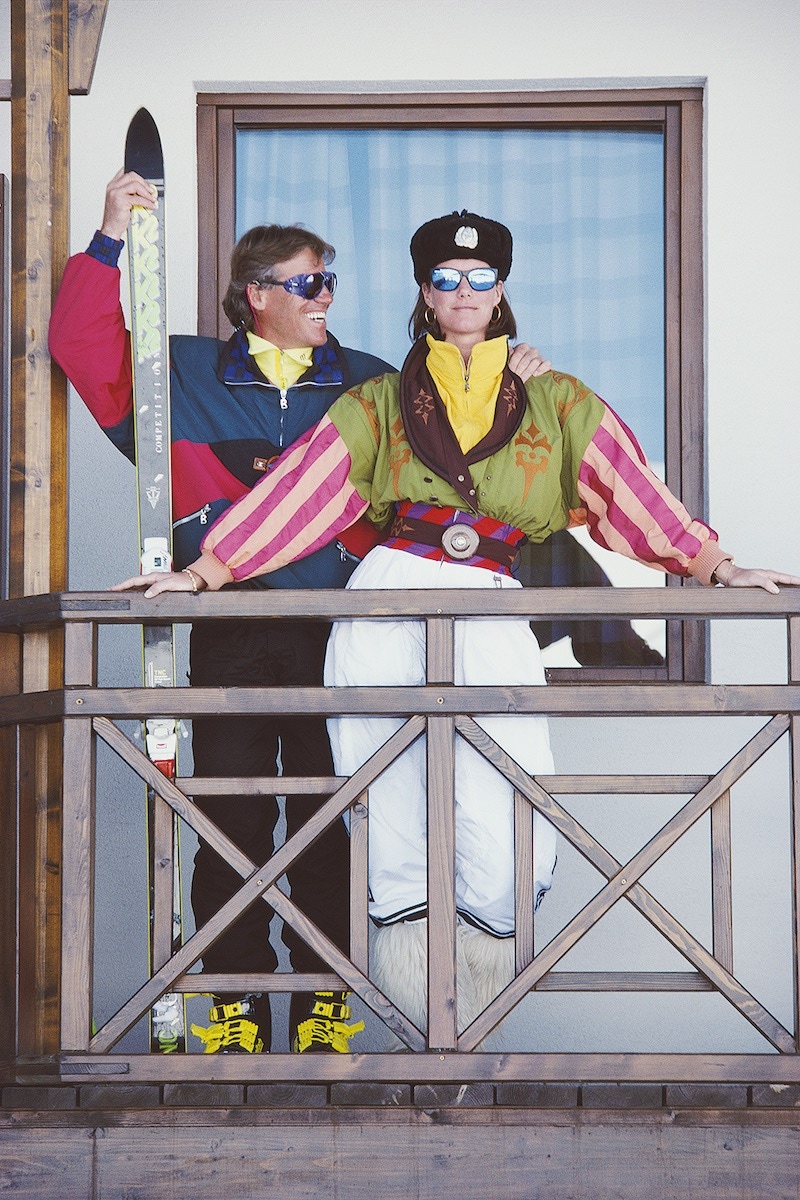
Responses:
[491,962]
[399,967]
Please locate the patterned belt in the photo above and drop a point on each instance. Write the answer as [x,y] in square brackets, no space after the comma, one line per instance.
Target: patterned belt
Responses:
[460,537]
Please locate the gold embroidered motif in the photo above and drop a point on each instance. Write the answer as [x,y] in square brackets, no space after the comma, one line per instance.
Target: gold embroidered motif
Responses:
[423,405]
[509,397]
[399,453]
[575,395]
[368,406]
[532,454]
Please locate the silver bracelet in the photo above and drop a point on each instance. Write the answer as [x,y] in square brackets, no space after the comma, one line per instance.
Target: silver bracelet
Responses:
[715,579]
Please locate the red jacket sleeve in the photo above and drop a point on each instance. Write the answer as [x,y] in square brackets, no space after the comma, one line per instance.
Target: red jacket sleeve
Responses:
[89,341]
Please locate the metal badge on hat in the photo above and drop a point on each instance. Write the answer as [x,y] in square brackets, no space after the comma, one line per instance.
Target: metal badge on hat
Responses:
[467,237]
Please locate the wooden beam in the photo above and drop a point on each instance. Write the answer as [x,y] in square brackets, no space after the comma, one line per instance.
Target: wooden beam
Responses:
[86,20]
[37,491]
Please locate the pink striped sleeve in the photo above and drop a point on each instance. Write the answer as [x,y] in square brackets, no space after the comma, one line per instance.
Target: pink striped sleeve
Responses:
[631,511]
[304,502]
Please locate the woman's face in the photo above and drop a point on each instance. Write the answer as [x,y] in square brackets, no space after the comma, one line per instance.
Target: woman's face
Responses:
[464,312]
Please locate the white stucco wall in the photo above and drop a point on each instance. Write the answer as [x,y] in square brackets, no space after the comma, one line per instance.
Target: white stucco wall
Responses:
[160,52]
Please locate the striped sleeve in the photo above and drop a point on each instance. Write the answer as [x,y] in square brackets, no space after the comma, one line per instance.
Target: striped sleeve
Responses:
[304,502]
[630,510]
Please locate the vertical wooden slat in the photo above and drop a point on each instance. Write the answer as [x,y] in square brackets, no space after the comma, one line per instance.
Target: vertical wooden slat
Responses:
[37,476]
[39,831]
[359,857]
[78,845]
[439,649]
[80,654]
[523,883]
[78,840]
[793,637]
[164,867]
[721,881]
[442,1031]
[10,684]
[10,674]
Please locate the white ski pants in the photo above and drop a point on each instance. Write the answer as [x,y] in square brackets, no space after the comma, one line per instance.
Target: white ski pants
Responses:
[392,653]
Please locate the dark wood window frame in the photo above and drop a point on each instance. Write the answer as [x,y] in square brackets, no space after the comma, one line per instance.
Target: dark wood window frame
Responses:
[675,112]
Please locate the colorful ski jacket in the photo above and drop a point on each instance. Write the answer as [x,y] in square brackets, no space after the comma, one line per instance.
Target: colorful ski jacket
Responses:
[228,421]
[556,455]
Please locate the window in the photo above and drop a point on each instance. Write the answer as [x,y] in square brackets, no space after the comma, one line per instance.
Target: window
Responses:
[602,193]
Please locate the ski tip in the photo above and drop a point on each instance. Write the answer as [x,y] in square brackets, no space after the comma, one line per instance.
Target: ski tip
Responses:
[143,152]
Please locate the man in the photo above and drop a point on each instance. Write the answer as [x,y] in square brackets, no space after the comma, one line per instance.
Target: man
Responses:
[235,406]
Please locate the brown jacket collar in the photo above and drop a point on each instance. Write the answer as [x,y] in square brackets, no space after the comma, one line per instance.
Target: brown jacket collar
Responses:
[430,434]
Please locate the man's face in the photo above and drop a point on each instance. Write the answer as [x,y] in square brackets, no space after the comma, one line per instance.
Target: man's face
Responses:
[289,321]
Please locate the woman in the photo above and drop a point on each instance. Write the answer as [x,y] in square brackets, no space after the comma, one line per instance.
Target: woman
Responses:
[461,461]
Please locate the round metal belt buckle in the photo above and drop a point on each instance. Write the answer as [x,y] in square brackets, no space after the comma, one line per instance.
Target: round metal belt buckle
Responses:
[460,541]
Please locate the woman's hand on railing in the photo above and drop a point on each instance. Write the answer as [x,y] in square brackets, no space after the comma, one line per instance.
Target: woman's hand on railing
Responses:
[157,582]
[729,575]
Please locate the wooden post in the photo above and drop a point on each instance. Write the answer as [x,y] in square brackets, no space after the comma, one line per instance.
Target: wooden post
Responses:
[37,501]
[9,686]
[793,634]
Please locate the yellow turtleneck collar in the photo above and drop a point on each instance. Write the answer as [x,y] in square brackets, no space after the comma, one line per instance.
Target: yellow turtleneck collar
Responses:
[281,367]
[469,393]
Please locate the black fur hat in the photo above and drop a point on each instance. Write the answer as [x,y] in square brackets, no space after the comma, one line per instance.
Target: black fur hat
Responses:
[460,235]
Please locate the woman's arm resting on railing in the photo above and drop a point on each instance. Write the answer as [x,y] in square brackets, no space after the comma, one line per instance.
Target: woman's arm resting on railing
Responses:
[303,503]
[729,575]
[630,510]
[188,580]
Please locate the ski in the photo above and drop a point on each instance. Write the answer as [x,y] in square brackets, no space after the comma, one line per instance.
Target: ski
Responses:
[150,356]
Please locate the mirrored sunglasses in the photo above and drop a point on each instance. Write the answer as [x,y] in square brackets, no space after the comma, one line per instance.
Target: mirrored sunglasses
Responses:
[307,286]
[447,279]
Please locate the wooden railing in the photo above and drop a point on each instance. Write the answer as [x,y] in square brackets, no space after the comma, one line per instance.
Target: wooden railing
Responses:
[443,712]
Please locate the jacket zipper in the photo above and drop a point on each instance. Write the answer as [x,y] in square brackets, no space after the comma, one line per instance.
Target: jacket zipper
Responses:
[284,406]
[201,515]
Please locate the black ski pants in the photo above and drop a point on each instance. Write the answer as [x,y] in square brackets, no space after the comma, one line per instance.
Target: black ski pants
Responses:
[262,654]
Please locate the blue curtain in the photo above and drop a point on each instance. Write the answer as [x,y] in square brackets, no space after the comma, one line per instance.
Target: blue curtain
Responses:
[585,207]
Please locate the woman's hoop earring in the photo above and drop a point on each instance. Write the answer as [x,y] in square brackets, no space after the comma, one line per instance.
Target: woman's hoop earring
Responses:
[430,316]
[497,313]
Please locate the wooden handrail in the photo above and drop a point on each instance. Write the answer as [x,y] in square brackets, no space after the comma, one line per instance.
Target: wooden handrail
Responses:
[550,604]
